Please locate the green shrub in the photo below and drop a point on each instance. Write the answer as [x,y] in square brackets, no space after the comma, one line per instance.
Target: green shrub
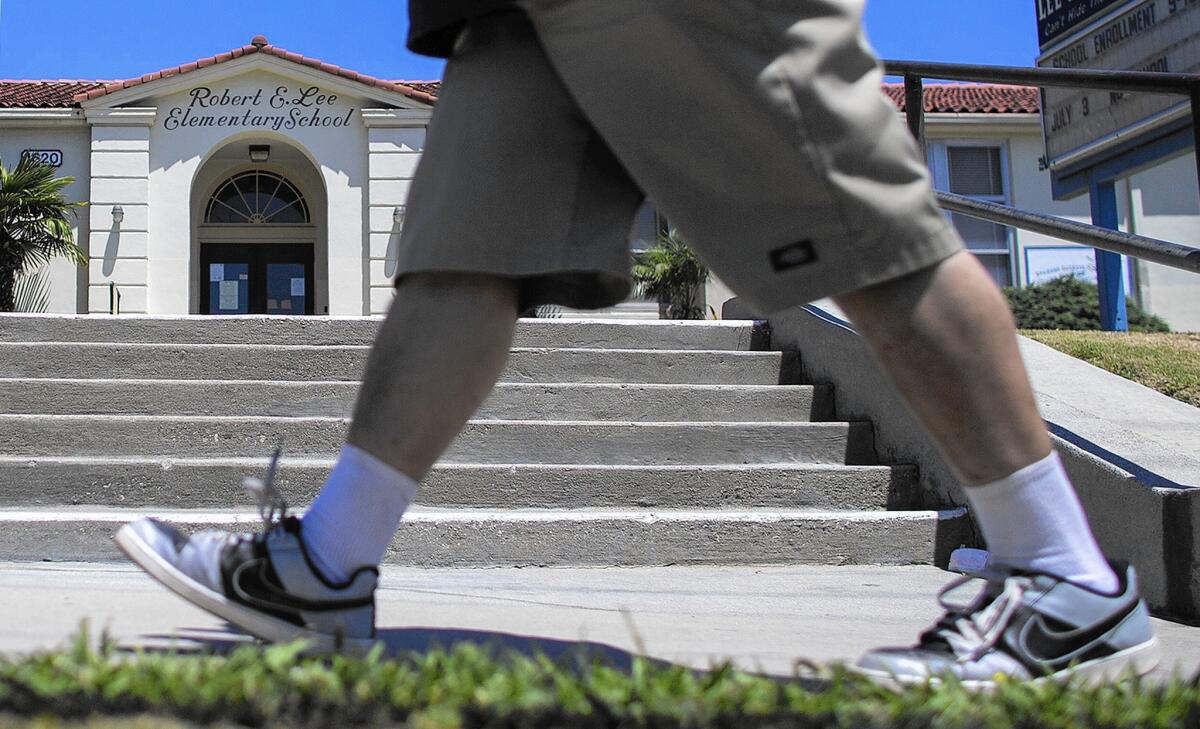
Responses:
[470,687]
[671,274]
[1069,303]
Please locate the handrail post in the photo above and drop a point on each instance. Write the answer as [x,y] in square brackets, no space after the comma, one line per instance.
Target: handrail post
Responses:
[1196,127]
[1110,278]
[914,107]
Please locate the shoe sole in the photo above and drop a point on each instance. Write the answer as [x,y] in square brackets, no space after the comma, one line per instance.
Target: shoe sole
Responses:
[252,621]
[1131,662]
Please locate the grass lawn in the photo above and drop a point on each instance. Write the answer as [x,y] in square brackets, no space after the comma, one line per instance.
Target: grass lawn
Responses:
[469,687]
[1169,363]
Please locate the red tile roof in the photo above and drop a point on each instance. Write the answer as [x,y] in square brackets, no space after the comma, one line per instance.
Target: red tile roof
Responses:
[948,98]
[430,87]
[43,94]
[972,98]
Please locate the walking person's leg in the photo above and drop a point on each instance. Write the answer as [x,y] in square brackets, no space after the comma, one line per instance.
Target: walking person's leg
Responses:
[435,359]
[437,355]
[763,134]
[946,338]
[516,203]
[801,182]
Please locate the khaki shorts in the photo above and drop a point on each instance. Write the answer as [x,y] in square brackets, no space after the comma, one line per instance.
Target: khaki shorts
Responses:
[758,127]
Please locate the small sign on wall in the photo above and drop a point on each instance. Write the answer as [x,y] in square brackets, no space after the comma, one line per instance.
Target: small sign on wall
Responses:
[52,157]
[1046,263]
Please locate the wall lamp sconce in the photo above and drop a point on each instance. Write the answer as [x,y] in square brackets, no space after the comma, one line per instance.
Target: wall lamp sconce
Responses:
[398,213]
[118,214]
[260,153]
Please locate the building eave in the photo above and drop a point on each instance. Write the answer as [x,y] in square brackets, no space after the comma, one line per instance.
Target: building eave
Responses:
[247,58]
[989,118]
[41,118]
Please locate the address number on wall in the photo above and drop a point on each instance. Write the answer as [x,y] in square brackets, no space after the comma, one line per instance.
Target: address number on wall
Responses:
[52,157]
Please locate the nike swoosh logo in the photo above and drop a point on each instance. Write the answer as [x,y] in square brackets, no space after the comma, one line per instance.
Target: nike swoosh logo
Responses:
[1059,647]
[276,599]
[255,600]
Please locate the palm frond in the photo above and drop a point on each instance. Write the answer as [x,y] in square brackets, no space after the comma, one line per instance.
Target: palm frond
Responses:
[36,222]
[671,273]
[32,293]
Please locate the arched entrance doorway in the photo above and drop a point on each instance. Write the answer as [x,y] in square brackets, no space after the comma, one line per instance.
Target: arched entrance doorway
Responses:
[258,244]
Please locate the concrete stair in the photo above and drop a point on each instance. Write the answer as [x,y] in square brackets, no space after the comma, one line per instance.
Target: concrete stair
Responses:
[615,442]
[629,309]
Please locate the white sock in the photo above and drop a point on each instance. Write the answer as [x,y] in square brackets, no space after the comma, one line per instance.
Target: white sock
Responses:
[355,516]
[1033,520]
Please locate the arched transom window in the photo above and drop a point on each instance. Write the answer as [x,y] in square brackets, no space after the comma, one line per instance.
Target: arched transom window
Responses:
[256,198]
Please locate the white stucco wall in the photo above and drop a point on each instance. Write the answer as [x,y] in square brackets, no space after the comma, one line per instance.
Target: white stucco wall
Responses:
[68,283]
[394,149]
[1165,204]
[339,155]
[120,152]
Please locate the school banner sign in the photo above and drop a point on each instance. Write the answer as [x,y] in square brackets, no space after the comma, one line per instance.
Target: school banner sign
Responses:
[1083,127]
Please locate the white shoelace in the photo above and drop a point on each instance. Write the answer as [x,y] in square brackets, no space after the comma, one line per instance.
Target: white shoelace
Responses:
[272,507]
[972,634]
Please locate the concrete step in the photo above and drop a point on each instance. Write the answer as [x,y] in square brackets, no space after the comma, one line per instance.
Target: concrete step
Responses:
[589,333]
[635,309]
[181,483]
[482,441]
[595,537]
[545,401]
[341,363]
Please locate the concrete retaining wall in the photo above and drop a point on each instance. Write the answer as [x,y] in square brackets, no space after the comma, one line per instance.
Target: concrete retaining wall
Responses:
[1132,452]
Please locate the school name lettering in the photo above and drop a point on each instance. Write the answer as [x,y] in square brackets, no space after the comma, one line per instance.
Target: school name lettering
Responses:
[282,110]
[1058,17]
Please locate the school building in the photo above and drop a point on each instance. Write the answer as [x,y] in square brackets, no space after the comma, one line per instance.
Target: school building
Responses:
[262,181]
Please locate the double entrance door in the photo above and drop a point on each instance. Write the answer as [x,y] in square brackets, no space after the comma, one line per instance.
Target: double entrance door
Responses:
[256,278]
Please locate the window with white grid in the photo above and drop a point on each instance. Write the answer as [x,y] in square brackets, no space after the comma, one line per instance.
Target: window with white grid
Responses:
[977,170]
[647,227]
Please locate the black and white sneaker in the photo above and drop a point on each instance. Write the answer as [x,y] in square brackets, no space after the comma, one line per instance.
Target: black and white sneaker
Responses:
[265,583]
[1026,627]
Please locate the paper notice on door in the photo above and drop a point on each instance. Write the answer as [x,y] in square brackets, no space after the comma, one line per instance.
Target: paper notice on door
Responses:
[297,287]
[228,300]
[216,272]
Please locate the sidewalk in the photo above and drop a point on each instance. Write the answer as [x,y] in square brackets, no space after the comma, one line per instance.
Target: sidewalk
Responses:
[761,618]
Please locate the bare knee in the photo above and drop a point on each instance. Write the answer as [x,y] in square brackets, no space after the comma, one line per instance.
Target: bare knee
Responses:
[450,300]
[951,294]
[500,291]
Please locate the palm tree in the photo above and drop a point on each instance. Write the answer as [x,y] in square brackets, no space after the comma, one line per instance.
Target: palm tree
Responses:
[671,274]
[35,224]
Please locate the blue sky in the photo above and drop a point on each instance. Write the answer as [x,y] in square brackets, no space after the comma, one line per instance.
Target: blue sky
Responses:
[122,38]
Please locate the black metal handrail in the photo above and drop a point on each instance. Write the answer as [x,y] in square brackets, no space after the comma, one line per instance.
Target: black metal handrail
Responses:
[1138,246]
[1150,249]
[1150,82]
